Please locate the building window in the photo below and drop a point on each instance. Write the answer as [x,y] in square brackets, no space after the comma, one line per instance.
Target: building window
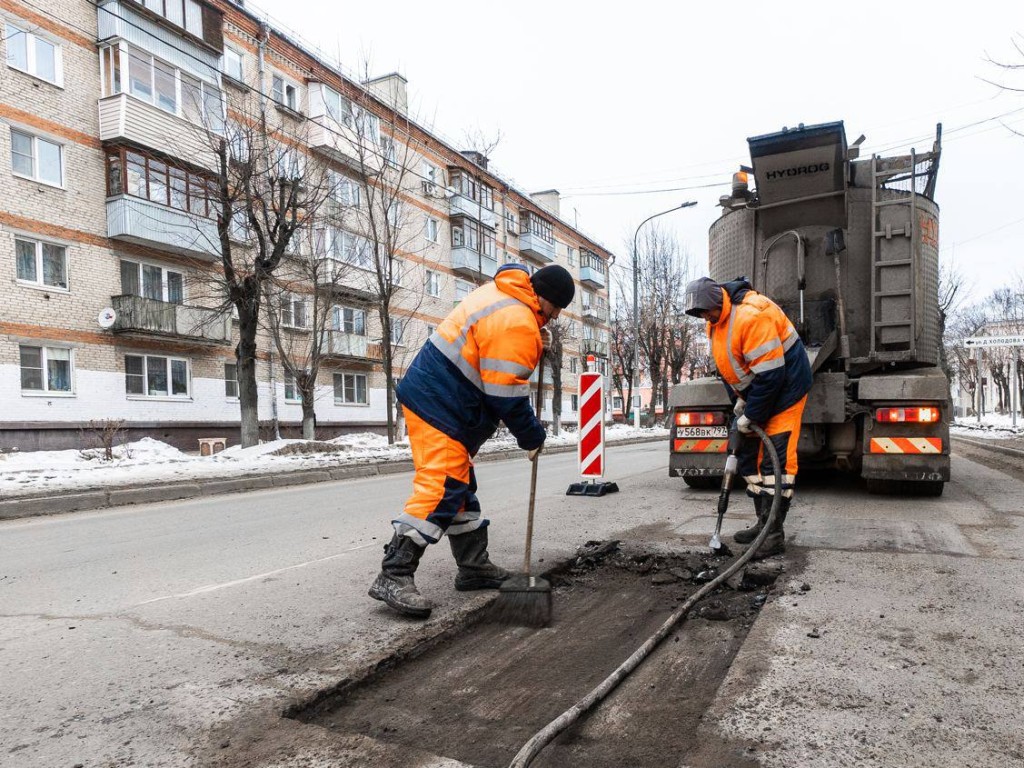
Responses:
[510,223]
[574,365]
[397,272]
[592,261]
[349,320]
[284,92]
[574,401]
[433,229]
[37,158]
[538,226]
[433,283]
[45,369]
[155,376]
[152,282]
[231,380]
[43,264]
[344,190]
[231,64]
[616,403]
[293,312]
[164,86]
[338,107]
[187,14]
[571,254]
[397,329]
[33,54]
[350,389]
[462,290]
[138,175]
[291,392]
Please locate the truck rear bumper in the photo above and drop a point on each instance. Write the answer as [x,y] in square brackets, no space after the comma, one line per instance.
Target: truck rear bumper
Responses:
[696,464]
[905,467]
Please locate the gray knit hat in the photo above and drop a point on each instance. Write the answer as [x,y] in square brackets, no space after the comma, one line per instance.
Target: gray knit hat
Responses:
[702,295]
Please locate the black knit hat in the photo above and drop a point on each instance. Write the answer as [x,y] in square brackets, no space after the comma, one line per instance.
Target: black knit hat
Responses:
[555,284]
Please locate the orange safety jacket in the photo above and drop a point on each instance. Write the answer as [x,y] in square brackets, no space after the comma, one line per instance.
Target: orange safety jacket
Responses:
[758,352]
[474,370]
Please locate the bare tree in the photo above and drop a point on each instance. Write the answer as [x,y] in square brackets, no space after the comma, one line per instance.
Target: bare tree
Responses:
[623,345]
[555,355]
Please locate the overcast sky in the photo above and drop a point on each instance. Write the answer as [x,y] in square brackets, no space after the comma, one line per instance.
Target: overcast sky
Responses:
[653,96]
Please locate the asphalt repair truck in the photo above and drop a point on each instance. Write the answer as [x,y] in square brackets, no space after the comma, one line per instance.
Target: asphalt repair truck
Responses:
[849,248]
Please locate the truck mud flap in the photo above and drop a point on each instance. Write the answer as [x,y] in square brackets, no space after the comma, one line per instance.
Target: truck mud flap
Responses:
[917,468]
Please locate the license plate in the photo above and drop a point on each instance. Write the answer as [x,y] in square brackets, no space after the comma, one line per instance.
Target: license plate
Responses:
[701,432]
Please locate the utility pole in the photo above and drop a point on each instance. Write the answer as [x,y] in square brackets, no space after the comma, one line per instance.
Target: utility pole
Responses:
[636,314]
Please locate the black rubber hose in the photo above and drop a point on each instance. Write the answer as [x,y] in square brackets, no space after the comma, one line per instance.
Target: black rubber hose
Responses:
[546,735]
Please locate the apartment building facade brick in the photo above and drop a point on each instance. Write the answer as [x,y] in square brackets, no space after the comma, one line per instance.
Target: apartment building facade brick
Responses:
[108,237]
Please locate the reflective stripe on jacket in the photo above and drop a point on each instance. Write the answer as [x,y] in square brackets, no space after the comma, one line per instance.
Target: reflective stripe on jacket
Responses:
[758,352]
[474,370]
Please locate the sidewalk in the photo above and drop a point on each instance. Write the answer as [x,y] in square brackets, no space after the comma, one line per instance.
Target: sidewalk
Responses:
[118,492]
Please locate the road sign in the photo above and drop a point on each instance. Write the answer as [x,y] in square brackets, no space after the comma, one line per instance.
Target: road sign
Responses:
[591,441]
[994,341]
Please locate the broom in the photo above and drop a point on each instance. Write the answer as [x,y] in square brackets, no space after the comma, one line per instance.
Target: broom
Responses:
[524,599]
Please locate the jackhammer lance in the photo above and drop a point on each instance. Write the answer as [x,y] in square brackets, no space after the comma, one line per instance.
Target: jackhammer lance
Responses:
[735,440]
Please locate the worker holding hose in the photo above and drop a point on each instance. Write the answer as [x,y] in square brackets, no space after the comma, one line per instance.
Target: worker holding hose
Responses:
[472,373]
[763,362]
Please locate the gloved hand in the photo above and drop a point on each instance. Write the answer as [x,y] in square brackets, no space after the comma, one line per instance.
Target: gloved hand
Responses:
[545,339]
[532,455]
[740,405]
[743,425]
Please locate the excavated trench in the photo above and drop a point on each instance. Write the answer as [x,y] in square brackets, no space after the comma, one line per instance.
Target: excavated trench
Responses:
[478,696]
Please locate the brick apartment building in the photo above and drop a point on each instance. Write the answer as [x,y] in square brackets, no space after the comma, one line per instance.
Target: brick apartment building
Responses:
[105,106]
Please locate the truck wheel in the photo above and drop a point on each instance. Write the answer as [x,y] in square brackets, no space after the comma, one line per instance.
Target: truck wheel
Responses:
[703,483]
[927,488]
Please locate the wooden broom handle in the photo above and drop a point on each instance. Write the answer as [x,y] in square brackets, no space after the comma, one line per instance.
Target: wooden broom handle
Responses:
[533,471]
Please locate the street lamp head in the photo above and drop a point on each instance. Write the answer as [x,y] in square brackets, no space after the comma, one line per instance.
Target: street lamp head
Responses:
[688,204]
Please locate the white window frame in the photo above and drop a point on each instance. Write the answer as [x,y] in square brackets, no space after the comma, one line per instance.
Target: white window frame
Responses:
[510,223]
[164,281]
[433,230]
[355,377]
[289,383]
[462,289]
[288,314]
[288,88]
[397,330]
[616,403]
[235,57]
[228,382]
[170,360]
[31,62]
[36,139]
[340,322]
[44,355]
[432,283]
[397,272]
[39,281]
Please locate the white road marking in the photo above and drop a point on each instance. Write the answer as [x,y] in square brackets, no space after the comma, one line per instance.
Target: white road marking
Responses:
[236,582]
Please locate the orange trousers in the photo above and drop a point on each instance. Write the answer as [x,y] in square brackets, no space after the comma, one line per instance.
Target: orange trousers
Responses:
[444,488]
[755,465]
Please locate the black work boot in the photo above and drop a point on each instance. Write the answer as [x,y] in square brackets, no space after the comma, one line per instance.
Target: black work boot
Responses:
[394,584]
[747,535]
[476,571]
[775,542]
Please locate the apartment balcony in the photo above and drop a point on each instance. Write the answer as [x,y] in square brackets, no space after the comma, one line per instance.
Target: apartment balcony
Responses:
[342,142]
[594,347]
[143,222]
[125,118]
[593,313]
[593,276]
[348,346]
[460,205]
[549,377]
[137,314]
[533,245]
[473,264]
[347,281]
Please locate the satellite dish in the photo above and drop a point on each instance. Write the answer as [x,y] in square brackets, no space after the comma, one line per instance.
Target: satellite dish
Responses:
[107,317]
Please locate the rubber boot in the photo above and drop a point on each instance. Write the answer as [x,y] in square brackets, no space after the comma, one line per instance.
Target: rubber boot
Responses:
[775,542]
[747,535]
[394,584]
[476,571]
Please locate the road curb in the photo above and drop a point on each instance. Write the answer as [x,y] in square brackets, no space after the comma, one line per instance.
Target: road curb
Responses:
[1016,453]
[81,501]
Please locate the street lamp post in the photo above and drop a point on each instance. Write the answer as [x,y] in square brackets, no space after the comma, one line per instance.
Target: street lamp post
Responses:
[636,315]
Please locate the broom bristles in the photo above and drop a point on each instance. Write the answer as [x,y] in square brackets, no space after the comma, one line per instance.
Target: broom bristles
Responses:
[523,600]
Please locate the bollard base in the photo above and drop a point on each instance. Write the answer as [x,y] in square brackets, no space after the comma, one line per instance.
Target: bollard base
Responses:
[592,488]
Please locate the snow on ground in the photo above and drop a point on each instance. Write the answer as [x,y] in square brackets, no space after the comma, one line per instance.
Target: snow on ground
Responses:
[148,461]
[991,424]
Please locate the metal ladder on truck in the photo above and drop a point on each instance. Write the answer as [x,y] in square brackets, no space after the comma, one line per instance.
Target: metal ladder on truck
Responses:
[893,280]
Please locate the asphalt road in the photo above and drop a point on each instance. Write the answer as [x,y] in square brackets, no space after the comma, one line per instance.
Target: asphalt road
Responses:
[152,635]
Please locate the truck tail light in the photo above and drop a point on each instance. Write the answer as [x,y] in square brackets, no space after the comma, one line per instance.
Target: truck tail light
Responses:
[916,414]
[699,418]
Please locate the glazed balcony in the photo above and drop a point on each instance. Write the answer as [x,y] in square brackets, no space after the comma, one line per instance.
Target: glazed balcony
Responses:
[472,264]
[143,222]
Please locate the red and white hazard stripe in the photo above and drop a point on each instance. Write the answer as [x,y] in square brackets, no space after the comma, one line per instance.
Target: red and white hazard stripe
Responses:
[591,444]
[906,445]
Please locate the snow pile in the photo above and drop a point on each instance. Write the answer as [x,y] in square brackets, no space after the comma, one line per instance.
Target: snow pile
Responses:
[996,425]
[147,461]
